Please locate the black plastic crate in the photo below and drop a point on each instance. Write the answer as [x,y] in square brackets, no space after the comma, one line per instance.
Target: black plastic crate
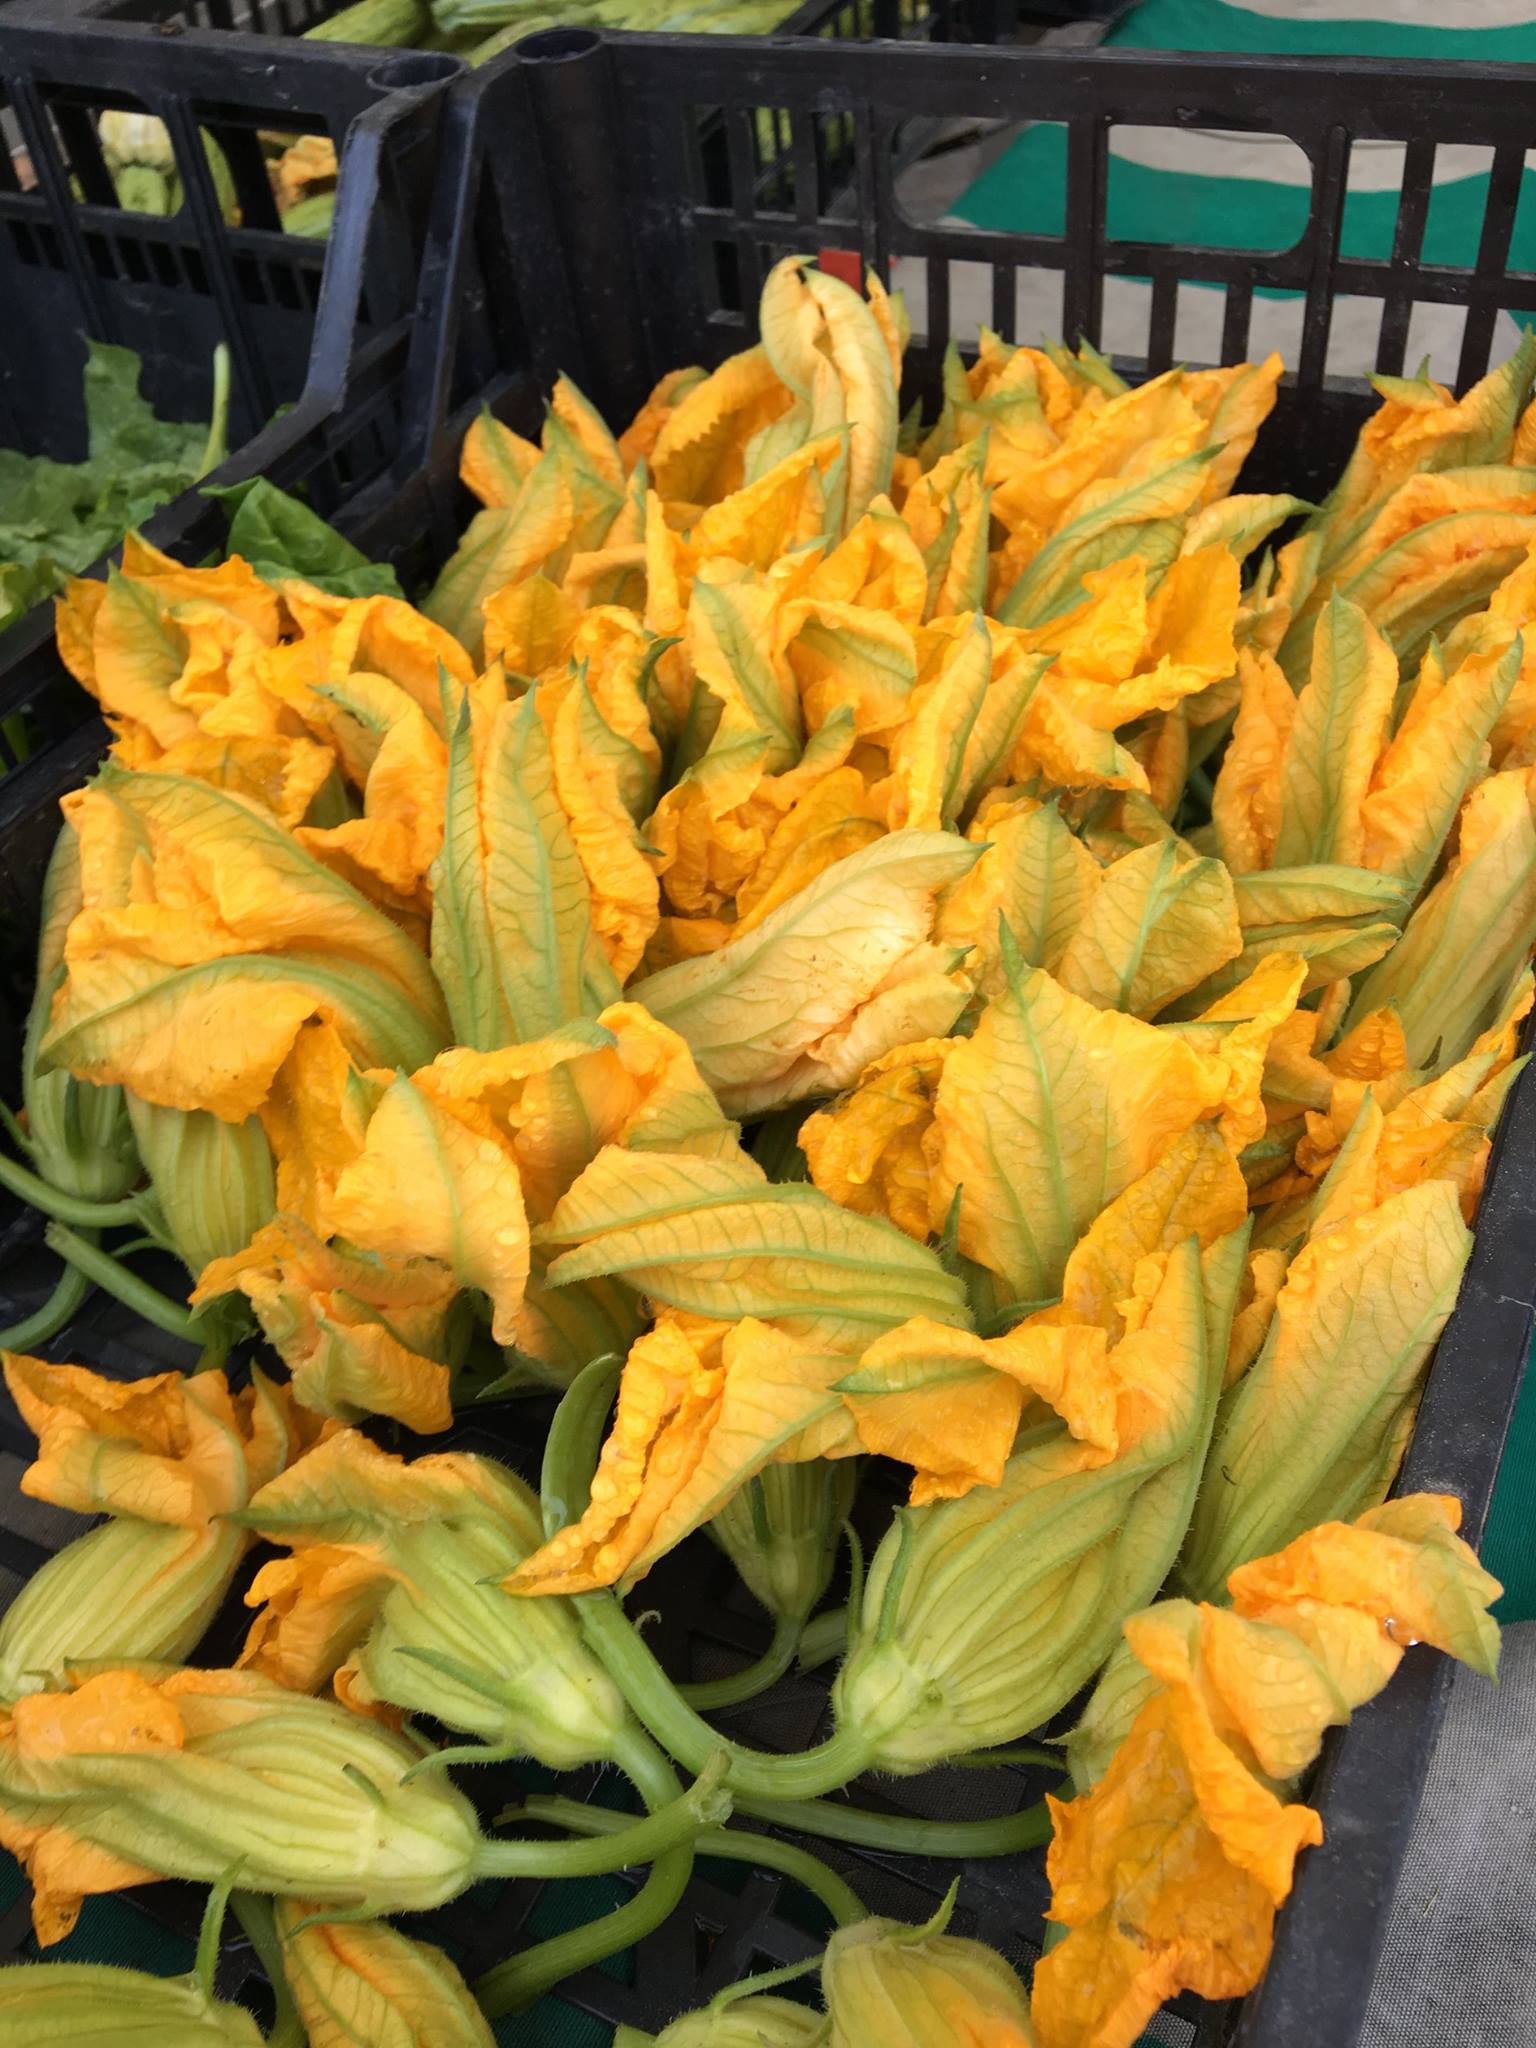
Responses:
[317,330]
[571,174]
[979,21]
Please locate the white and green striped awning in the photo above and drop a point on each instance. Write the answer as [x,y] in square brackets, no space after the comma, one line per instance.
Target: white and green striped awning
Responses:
[1224,190]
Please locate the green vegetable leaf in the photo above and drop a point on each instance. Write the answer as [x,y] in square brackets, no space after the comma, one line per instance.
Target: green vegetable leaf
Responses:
[280,537]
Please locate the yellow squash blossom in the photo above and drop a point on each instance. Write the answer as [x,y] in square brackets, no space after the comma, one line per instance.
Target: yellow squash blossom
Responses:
[390,1593]
[920,1987]
[1169,1871]
[360,1984]
[166,1459]
[796,1006]
[360,1334]
[191,984]
[128,1777]
[97,2005]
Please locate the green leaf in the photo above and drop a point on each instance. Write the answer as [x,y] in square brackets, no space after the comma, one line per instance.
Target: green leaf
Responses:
[281,537]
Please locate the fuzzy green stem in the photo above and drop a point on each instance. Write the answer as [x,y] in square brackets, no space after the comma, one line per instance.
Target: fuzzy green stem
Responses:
[633,1842]
[903,1833]
[134,1293]
[216,447]
[523,1979]
[570,1454]
[824,1638]
[1015,1753]
[13,1130]
[691,1740]
[709,1696]
[731,1845]
[65,1302]
[211,1933]
[41,1194]
[260,1929]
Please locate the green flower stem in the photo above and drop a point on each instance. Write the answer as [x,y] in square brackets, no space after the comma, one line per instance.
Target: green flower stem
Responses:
[823,1639]
[690,1739]
[710,1695]
[634,1841]
[1015,1753]
[904,1833]
[523,1979]
[731,1845]
[216,447]
[570,1455]
[260,1929]
[65,1302]
[115,1279]
[8,1119]
[41,1194]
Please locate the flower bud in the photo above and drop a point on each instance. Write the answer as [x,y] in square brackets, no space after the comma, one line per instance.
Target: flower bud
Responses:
[129,1589]
[128,1777]
[363,1985]
[781,1532]
[982,1616]
[213,1181]
[744,2023]
[80,1135]
[918,1987]
[95,2005]
[394,1569]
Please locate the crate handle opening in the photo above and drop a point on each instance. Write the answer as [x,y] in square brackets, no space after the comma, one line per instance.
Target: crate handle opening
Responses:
[558,45]
[414,67]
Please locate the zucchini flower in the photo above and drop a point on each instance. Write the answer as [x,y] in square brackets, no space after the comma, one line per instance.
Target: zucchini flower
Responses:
[212,940]
[96,2005]
[513,945]
[751,2022]
[127,1777]
[212,1181]
[828,347]
[1471,936]
[360,1984]
[360,1334]
[911,1987]
[1112,1092]
[982,1616]
[1168,1872]
[918,1987]
[838,974]
[166,1459]
[390,1591]
[1318,1424]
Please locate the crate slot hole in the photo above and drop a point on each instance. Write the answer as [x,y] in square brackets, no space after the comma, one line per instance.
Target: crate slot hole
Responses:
[1207,188]
[957,173]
